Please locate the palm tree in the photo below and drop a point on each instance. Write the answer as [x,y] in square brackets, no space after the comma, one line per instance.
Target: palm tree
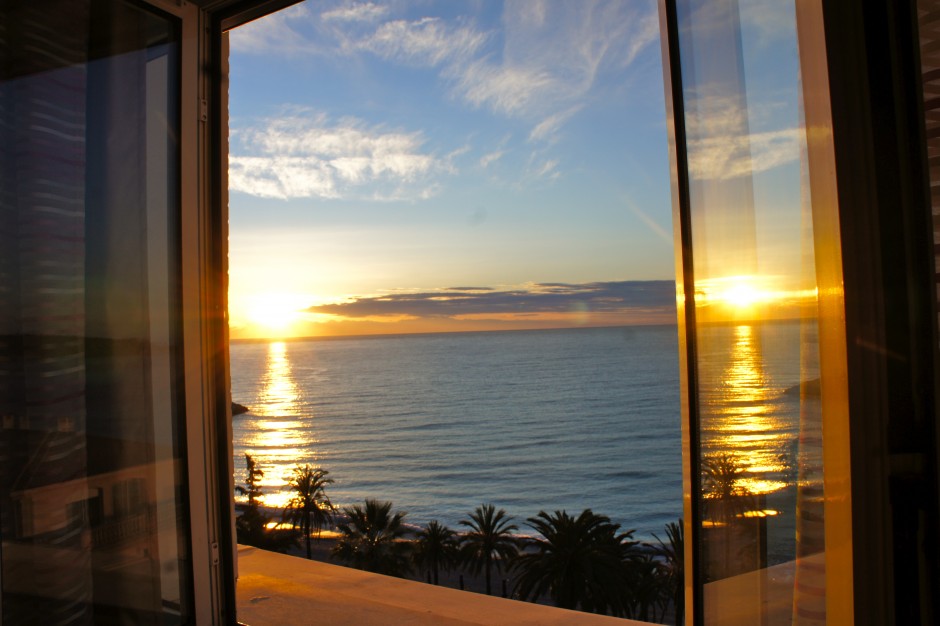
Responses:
[435,546]
[251,524]
[372,539]
[310,508]
[645,590]
[672,552]
[580,562]
[488,541]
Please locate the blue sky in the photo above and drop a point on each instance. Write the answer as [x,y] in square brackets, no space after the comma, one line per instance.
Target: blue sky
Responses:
[402,149]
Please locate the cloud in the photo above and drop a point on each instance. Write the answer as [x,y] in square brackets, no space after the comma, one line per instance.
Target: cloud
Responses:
[428,41]
[533,299]
[542,60]
[732,156]
[772,21]
[551,57]
[308,155]
[276,34]
[547,129]
[355,12]
[721,146]
[506,89]
[488,159]
[547,169]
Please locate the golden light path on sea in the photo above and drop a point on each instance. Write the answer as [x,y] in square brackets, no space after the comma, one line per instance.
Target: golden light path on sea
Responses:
[279,441]
[743,415]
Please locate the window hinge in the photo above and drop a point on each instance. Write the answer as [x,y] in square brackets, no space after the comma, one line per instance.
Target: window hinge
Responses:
[203,110]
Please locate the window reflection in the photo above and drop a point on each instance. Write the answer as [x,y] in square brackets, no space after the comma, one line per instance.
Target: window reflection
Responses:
[759,457]
[92,488]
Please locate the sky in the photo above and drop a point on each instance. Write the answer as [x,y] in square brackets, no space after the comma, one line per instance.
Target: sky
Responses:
[421,166]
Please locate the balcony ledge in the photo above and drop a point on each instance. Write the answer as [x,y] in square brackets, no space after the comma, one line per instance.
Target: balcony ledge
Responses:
[276,589]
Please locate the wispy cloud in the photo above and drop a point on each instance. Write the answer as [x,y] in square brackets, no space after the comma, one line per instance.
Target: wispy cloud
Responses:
[551,55]
[281,33]
[548,128]
[539,65]
[307,155]
[355,12]
[732,156]
[772,20]
[428,41]
[546,169]
[541,62]
[492,157]
[506,89]
[539,298]
[722,146]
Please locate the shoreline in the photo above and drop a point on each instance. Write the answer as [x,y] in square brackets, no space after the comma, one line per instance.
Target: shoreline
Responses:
[321,549]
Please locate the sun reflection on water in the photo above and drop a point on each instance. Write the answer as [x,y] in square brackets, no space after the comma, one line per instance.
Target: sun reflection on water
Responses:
[279,393]
[280,438]
[742,413]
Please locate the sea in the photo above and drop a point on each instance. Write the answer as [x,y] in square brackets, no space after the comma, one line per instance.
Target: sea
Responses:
[530,421]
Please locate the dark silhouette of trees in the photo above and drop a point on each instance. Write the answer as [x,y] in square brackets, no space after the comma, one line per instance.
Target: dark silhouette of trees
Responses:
[251,525]
[730,531]
[310,509]
[489,541]
[372,539]
[724,497]
[579,562]
[645,596]
[435,547]
[672,552]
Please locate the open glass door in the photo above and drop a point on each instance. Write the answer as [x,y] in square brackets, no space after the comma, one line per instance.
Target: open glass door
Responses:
[94,511]
[760,313]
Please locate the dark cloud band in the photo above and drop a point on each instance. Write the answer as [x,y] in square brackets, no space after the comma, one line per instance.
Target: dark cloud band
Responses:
[615,296]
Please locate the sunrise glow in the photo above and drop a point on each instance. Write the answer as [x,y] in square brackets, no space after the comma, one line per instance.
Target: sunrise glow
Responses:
[276,315]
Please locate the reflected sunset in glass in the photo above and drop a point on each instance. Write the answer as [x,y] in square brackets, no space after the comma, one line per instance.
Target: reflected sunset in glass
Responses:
[743,419]
[755,309]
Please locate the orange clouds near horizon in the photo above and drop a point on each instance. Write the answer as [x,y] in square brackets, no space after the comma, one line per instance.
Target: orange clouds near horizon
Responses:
[475,309]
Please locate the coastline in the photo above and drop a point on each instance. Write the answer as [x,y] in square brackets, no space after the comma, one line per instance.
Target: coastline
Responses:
[321,548]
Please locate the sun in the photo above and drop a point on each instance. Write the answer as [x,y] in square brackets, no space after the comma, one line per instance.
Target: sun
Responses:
[275,314]
[736,295]
[741,295]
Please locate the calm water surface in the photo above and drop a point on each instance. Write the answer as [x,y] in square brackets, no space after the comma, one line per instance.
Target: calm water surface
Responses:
[527,420]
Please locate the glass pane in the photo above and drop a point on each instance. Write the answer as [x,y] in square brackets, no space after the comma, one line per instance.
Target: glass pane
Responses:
[92,498]
[759,424]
